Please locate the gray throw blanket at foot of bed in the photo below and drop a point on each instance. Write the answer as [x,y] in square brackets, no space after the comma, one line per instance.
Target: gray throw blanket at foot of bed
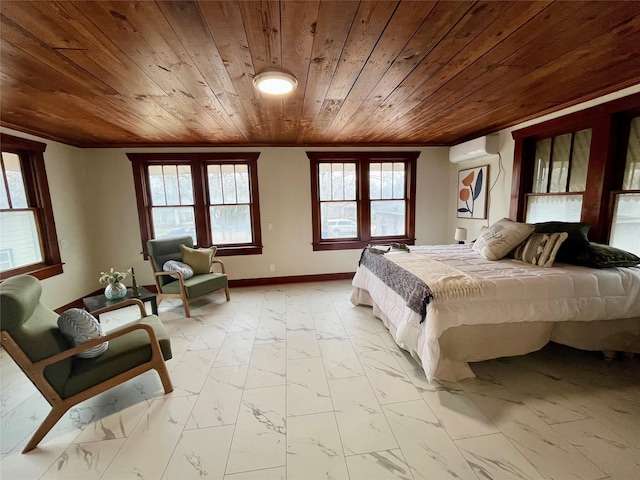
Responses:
[419,279]
[413,290]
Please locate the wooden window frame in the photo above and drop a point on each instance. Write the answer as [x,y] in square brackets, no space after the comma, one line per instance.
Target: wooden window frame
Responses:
[34,173]
[609,124]
[362,161]
[198,162]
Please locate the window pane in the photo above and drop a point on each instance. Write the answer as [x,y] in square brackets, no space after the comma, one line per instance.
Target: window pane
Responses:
[398,180]
[4,198]
[214,175]
[170,173]
[242,183]
[324,170]
[375,181]
[541,171]
[19,240]
[171,185]
[337,181]
[186,185]
[228,184]
[387,218]
[230,224]
[387,180]
[338,220]
[349,181]
[14,179]
[625,229]
[156,184]
[580,161]
[6,260]
[173,222]
[546,208]
[632,170]
[560,163]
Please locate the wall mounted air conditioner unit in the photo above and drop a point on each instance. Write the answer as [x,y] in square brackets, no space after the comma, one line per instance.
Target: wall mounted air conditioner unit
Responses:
[478,147]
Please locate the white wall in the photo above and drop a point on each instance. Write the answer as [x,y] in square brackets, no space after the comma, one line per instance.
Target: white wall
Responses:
[501,193]
[499,183]
[94,206]
[285,202]
[70,199]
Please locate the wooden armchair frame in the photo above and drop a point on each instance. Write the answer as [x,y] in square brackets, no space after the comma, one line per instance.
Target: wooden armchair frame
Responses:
[59,406]
[183,291]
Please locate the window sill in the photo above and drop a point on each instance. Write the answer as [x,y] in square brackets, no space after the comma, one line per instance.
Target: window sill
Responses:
[339,245]
[40,271]
[233,251]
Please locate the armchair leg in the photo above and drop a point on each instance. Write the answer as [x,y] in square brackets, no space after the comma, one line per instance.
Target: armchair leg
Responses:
[187,311]
[226,292]
[54,415]
[164,378]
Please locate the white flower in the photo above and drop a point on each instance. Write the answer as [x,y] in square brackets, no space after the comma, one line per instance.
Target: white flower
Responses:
[112,277]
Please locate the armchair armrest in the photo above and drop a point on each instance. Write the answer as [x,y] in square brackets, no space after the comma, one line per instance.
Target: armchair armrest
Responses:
[58,357]
[171,272]
[219,262]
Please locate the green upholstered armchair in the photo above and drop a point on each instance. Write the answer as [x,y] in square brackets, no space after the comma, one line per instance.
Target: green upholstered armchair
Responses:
[190,289]
[30,334]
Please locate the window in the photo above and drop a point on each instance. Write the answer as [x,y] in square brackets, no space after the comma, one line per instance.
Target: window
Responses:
[338,206]
[625,227]
[584,167]
[361,198]
[229,204]
[559,177]
[28,240]
[172,205]
[212,197]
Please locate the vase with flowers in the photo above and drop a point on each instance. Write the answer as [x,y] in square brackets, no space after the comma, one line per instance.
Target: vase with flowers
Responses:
[115,289]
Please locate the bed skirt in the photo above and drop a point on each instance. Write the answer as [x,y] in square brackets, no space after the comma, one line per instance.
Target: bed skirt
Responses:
[473,343]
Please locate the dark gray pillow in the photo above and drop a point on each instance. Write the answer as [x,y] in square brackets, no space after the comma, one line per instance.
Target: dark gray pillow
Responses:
[596,255]
[576,240]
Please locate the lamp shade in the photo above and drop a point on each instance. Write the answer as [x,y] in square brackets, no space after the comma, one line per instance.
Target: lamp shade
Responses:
[275,82]
[461,234]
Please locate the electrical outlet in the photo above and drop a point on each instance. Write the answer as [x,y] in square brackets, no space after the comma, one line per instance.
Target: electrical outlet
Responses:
[272,267]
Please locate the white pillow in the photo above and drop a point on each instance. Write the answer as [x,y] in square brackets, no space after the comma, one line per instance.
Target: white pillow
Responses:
[501,237]
[79,326]
[174,265]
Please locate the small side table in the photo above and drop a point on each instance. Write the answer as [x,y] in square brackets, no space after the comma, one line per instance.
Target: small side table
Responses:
[96,302]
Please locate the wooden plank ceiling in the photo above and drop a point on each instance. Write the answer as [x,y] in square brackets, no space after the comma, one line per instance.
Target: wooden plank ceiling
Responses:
[116,73]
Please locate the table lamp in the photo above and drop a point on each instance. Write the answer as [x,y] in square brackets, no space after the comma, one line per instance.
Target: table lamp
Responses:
[460,235]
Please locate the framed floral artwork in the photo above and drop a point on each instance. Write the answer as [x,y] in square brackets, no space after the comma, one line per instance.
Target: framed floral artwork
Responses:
[472,192]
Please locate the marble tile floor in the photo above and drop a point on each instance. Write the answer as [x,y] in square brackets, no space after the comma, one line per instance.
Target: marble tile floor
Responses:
[294,382]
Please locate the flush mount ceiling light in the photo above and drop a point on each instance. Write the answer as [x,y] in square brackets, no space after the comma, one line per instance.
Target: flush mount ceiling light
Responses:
[275,83]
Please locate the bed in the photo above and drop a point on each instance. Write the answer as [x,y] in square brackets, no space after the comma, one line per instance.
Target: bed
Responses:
[475,309]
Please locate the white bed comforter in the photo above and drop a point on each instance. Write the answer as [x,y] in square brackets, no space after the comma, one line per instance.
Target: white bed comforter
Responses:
[512,291]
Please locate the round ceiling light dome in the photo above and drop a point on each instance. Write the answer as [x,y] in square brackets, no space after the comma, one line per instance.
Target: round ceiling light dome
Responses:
[275,83]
